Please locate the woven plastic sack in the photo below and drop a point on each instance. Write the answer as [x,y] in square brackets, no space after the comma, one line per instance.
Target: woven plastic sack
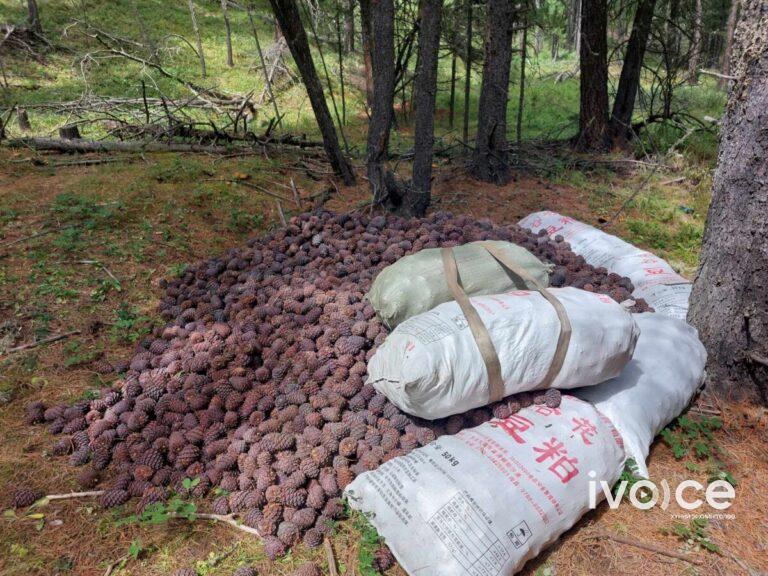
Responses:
[430,365]
[655,387]
[485,501]
[416,283]
[653,278]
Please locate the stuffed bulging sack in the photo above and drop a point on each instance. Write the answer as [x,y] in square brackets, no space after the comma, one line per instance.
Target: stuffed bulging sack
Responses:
[431,365]
[416,283]
[485,501]
[654,387]
[653,278]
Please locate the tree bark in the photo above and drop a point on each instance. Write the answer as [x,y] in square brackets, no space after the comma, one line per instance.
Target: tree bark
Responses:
[425,91]
[228,32]
[382,45]
[33,17]
[490,160]
[467,72]
[454,62]
[366,35]
[729,303]
[725,65]
[695,55]
[349,26]
[629,82]
[521,95]
[593,61]
[199,42]
[671,30]
[289,20]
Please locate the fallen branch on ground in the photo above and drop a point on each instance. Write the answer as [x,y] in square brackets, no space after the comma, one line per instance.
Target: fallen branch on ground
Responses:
[71,495]
[100,265]
[229,519]
[649,546]
[151,146]
[248,185]
[332,568]
[48,340]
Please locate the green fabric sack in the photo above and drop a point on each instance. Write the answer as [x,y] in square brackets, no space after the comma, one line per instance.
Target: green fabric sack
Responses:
[416,283]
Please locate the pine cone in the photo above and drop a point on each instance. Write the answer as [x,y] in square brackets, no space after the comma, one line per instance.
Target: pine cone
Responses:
[114,497]
[24,497]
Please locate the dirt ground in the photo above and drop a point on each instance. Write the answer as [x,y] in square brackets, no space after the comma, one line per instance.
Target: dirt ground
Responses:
[82,248]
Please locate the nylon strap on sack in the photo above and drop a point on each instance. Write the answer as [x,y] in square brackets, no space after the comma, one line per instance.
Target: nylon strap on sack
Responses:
[564,338]
[480,332]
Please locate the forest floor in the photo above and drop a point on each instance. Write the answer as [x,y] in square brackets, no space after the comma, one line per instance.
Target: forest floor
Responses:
[83,247]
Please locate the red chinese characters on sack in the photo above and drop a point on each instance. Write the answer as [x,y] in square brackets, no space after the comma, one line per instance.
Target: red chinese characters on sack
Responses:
[514,426]
[586,429]
[547,411]
[562,466]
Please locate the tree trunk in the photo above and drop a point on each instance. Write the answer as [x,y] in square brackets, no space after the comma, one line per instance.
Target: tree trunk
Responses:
[452,100]
[729,303]
[593,105]
[725,65]
[349,26]
[521,99]
[695,55]
[490,161]
[366,35]
[199,42]
[267,79]
[555,47]
[467,72]
[33,17]
[672,31]
[425,91]
[629,82]
[228,32]
[382,46]
[340,53]
[289,20]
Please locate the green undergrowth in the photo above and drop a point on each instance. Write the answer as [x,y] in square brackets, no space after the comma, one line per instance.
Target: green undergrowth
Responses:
[692,439]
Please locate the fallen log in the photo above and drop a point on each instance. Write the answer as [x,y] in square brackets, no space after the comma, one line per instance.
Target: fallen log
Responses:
[61,145]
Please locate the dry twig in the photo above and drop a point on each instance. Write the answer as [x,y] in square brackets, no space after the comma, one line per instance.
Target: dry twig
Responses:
[37,343]
[649,547]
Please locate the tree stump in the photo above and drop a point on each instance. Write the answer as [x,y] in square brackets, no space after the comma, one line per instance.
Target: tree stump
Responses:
[22,117]
[69,132]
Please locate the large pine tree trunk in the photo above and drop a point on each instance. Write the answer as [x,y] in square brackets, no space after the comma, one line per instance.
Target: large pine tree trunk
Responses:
[289,20]
[725,64]
[695,55]
[729,303]
[629,82]
[382,47]
[467,73]
[490,160]
[593,99]
[417,199]
[366,35]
